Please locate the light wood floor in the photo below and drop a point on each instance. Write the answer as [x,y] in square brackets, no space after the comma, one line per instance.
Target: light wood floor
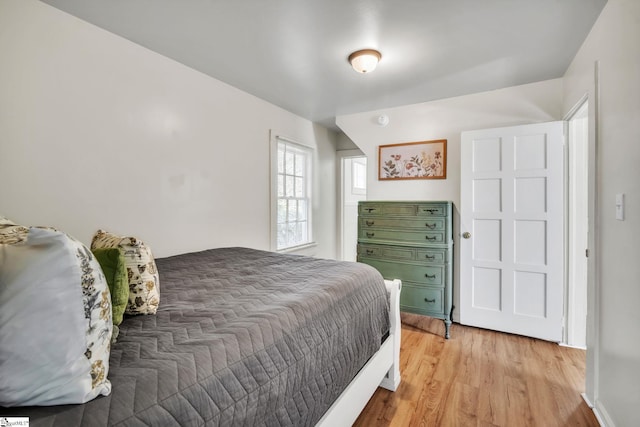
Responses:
[480,378]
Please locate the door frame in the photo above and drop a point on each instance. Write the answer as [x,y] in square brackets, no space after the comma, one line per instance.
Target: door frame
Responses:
[341,155]
[592,377]
[592,380]
[570,175]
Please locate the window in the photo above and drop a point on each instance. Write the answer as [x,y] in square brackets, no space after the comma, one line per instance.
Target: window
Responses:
[359,175]
[292,186]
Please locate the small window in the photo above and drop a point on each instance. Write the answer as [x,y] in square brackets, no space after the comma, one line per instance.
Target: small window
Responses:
[359,175]
[292,187]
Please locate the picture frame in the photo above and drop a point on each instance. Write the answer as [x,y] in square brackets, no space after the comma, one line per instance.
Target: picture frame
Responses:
[413,160]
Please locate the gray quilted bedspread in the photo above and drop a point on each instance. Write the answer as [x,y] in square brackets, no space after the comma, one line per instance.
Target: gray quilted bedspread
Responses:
[242,337]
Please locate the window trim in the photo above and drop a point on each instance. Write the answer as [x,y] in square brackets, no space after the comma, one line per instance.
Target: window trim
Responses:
[274,139]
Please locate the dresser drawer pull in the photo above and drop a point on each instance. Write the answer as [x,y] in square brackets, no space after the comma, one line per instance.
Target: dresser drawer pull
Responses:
[431,226]
[430,300]
[371,234]
[430,256]
[431,238]
[370,209]
[430,210]
[370,252]
[369,223]
[432,276]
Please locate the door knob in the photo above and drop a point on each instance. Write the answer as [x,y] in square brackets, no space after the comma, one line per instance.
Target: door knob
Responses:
[466,235]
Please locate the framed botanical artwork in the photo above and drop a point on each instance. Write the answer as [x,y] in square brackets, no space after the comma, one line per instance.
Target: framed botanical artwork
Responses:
[413,160]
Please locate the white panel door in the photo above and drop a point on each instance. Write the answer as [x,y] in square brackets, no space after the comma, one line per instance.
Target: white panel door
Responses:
[511,220]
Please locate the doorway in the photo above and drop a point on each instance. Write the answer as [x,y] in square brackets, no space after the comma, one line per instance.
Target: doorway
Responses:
[577,225]
[353,189]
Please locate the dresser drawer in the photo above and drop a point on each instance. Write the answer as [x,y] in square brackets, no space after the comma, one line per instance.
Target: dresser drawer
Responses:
[424,274]
[423,300]
[426,255]
[400,209]
[432,256]
[432,210]
[386,252]
[370,251]
[414,237]
[431,224]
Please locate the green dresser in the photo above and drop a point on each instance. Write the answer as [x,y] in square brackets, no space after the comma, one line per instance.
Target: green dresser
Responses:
[413,242]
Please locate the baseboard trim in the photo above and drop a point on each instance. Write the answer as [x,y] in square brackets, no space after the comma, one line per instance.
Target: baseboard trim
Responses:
[587,400]
[563,344]
[602,416]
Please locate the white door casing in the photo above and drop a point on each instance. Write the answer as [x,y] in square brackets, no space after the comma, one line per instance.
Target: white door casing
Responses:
[512,260]
[577,224]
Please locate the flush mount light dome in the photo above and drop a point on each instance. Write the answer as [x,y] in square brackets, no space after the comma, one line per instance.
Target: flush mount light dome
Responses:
[365,60]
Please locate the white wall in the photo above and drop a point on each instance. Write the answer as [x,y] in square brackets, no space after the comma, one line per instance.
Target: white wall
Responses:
[613,340]
[98,132]
[446,119]
[344,143]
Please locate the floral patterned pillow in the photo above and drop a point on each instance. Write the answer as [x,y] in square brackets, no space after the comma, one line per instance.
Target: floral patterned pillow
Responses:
[11,233]
[55,320]
[144,290]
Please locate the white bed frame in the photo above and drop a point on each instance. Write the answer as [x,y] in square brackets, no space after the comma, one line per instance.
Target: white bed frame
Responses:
[383,369]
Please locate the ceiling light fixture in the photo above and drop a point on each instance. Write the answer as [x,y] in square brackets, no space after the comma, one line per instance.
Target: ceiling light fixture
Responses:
[365,60]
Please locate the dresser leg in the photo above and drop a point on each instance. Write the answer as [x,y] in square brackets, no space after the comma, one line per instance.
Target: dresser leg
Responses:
[447,325]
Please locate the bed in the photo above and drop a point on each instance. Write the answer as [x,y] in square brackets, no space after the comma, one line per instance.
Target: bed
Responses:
[248,337]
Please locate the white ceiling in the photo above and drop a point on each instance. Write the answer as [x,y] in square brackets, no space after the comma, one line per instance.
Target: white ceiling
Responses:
[293,53]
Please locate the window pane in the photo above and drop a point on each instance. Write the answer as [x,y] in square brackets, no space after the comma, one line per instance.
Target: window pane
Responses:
[281,150]
[302,210]
[300,164]
[282,211]
[301,232]
[289,163]
[299,187]
[282,236]
[359,176]
[280,186]
[291,234]
[288,187]
[293,211]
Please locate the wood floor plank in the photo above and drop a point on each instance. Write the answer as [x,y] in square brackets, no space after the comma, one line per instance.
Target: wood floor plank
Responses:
[480,378]
[539,390]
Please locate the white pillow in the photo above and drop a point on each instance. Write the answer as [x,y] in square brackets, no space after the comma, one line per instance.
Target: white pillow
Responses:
[55,320]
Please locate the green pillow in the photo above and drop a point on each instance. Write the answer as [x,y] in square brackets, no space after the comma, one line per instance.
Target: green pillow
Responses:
[112,262]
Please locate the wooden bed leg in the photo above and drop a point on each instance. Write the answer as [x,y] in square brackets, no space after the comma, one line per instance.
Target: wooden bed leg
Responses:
[391,381]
